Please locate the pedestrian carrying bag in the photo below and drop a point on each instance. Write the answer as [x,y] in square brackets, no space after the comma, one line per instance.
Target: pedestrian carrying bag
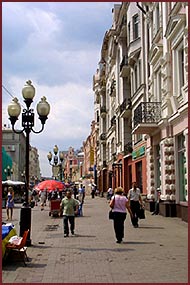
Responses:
[111,213]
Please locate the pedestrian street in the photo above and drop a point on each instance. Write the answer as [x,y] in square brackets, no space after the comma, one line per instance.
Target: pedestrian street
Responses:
[156,252]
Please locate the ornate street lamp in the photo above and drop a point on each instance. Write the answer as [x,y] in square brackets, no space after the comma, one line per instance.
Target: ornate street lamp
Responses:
[14,109]
[56,164]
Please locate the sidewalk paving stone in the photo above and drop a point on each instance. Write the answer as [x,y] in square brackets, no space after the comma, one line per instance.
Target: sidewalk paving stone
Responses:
[156,252]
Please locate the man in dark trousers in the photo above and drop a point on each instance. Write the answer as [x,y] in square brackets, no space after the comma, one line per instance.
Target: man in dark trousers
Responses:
[69,206]
[134,196]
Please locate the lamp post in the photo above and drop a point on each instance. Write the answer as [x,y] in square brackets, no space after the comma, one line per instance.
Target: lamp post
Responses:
[14,110]
[56,164]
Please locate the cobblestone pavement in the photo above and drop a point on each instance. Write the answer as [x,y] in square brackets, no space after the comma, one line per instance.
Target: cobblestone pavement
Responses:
[156,252]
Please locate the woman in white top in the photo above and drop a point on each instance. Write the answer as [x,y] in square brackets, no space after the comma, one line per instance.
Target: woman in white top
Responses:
[119,203]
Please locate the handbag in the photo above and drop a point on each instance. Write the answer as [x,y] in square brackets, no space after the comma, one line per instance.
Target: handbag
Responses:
[111,213]
[141,214]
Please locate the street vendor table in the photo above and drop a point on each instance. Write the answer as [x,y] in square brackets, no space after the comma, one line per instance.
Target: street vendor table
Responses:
[8,230]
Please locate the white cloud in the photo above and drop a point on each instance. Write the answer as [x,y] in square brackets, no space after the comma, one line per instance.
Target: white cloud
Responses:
[56,45]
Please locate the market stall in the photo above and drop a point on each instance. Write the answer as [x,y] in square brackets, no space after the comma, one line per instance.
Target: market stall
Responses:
[8,230]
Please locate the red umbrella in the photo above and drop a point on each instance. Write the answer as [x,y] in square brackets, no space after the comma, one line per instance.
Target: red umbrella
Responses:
[50,185]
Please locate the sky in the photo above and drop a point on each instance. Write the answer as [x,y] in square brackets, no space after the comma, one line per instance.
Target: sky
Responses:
[57,46]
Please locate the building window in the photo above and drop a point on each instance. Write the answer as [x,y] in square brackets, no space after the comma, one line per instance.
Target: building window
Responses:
[132,83]
[137,138]
[118,131]
[158,86]
[157,168]
[135,26]
[157,18]
[136,78]
[129,30]
[178,71]
[181,67]
[140,73]
[97,116]
[181,167]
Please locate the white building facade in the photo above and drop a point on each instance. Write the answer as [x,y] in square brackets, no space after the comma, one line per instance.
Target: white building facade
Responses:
[141,102]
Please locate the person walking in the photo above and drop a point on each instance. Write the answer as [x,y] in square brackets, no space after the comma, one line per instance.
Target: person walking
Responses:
[69,206]
[75,191]
[134,196]
[43,196]
[10,203]
[156,211]
[81,194]
[93,191]
[119,203]
[35,196]
[109,193]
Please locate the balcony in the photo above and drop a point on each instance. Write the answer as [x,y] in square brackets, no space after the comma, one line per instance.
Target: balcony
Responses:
[146,117]
[103,111]
[124,67]
[125,108]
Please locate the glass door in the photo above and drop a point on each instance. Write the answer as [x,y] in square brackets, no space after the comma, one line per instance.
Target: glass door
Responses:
[181,168]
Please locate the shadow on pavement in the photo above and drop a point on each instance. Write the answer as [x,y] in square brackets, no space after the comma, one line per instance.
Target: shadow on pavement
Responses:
[154,228]
[40,246]
[139,242]
[12,267]
[106,249]
[78,235]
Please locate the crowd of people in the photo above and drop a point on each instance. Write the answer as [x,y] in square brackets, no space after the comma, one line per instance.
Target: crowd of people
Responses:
[71,201]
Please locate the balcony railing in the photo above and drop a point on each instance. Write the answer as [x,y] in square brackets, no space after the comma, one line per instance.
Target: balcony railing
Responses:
[147,112]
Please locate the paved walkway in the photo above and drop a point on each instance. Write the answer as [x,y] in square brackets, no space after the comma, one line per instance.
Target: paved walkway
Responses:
[156,252]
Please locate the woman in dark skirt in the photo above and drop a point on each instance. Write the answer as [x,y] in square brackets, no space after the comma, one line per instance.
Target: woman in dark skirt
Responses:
[119,203]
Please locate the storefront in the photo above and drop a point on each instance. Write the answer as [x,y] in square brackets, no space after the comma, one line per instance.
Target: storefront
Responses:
[138,168]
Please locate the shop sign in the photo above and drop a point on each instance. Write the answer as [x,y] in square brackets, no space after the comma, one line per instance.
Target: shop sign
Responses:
[139,152]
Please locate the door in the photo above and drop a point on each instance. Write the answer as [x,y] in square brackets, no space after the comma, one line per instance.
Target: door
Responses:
[181,168]
[139,175]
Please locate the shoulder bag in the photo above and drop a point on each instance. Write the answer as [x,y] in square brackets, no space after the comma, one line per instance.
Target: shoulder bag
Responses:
[141,213]
[111,213]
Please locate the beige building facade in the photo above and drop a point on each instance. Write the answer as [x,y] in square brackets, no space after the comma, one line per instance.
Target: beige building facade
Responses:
[141,102]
